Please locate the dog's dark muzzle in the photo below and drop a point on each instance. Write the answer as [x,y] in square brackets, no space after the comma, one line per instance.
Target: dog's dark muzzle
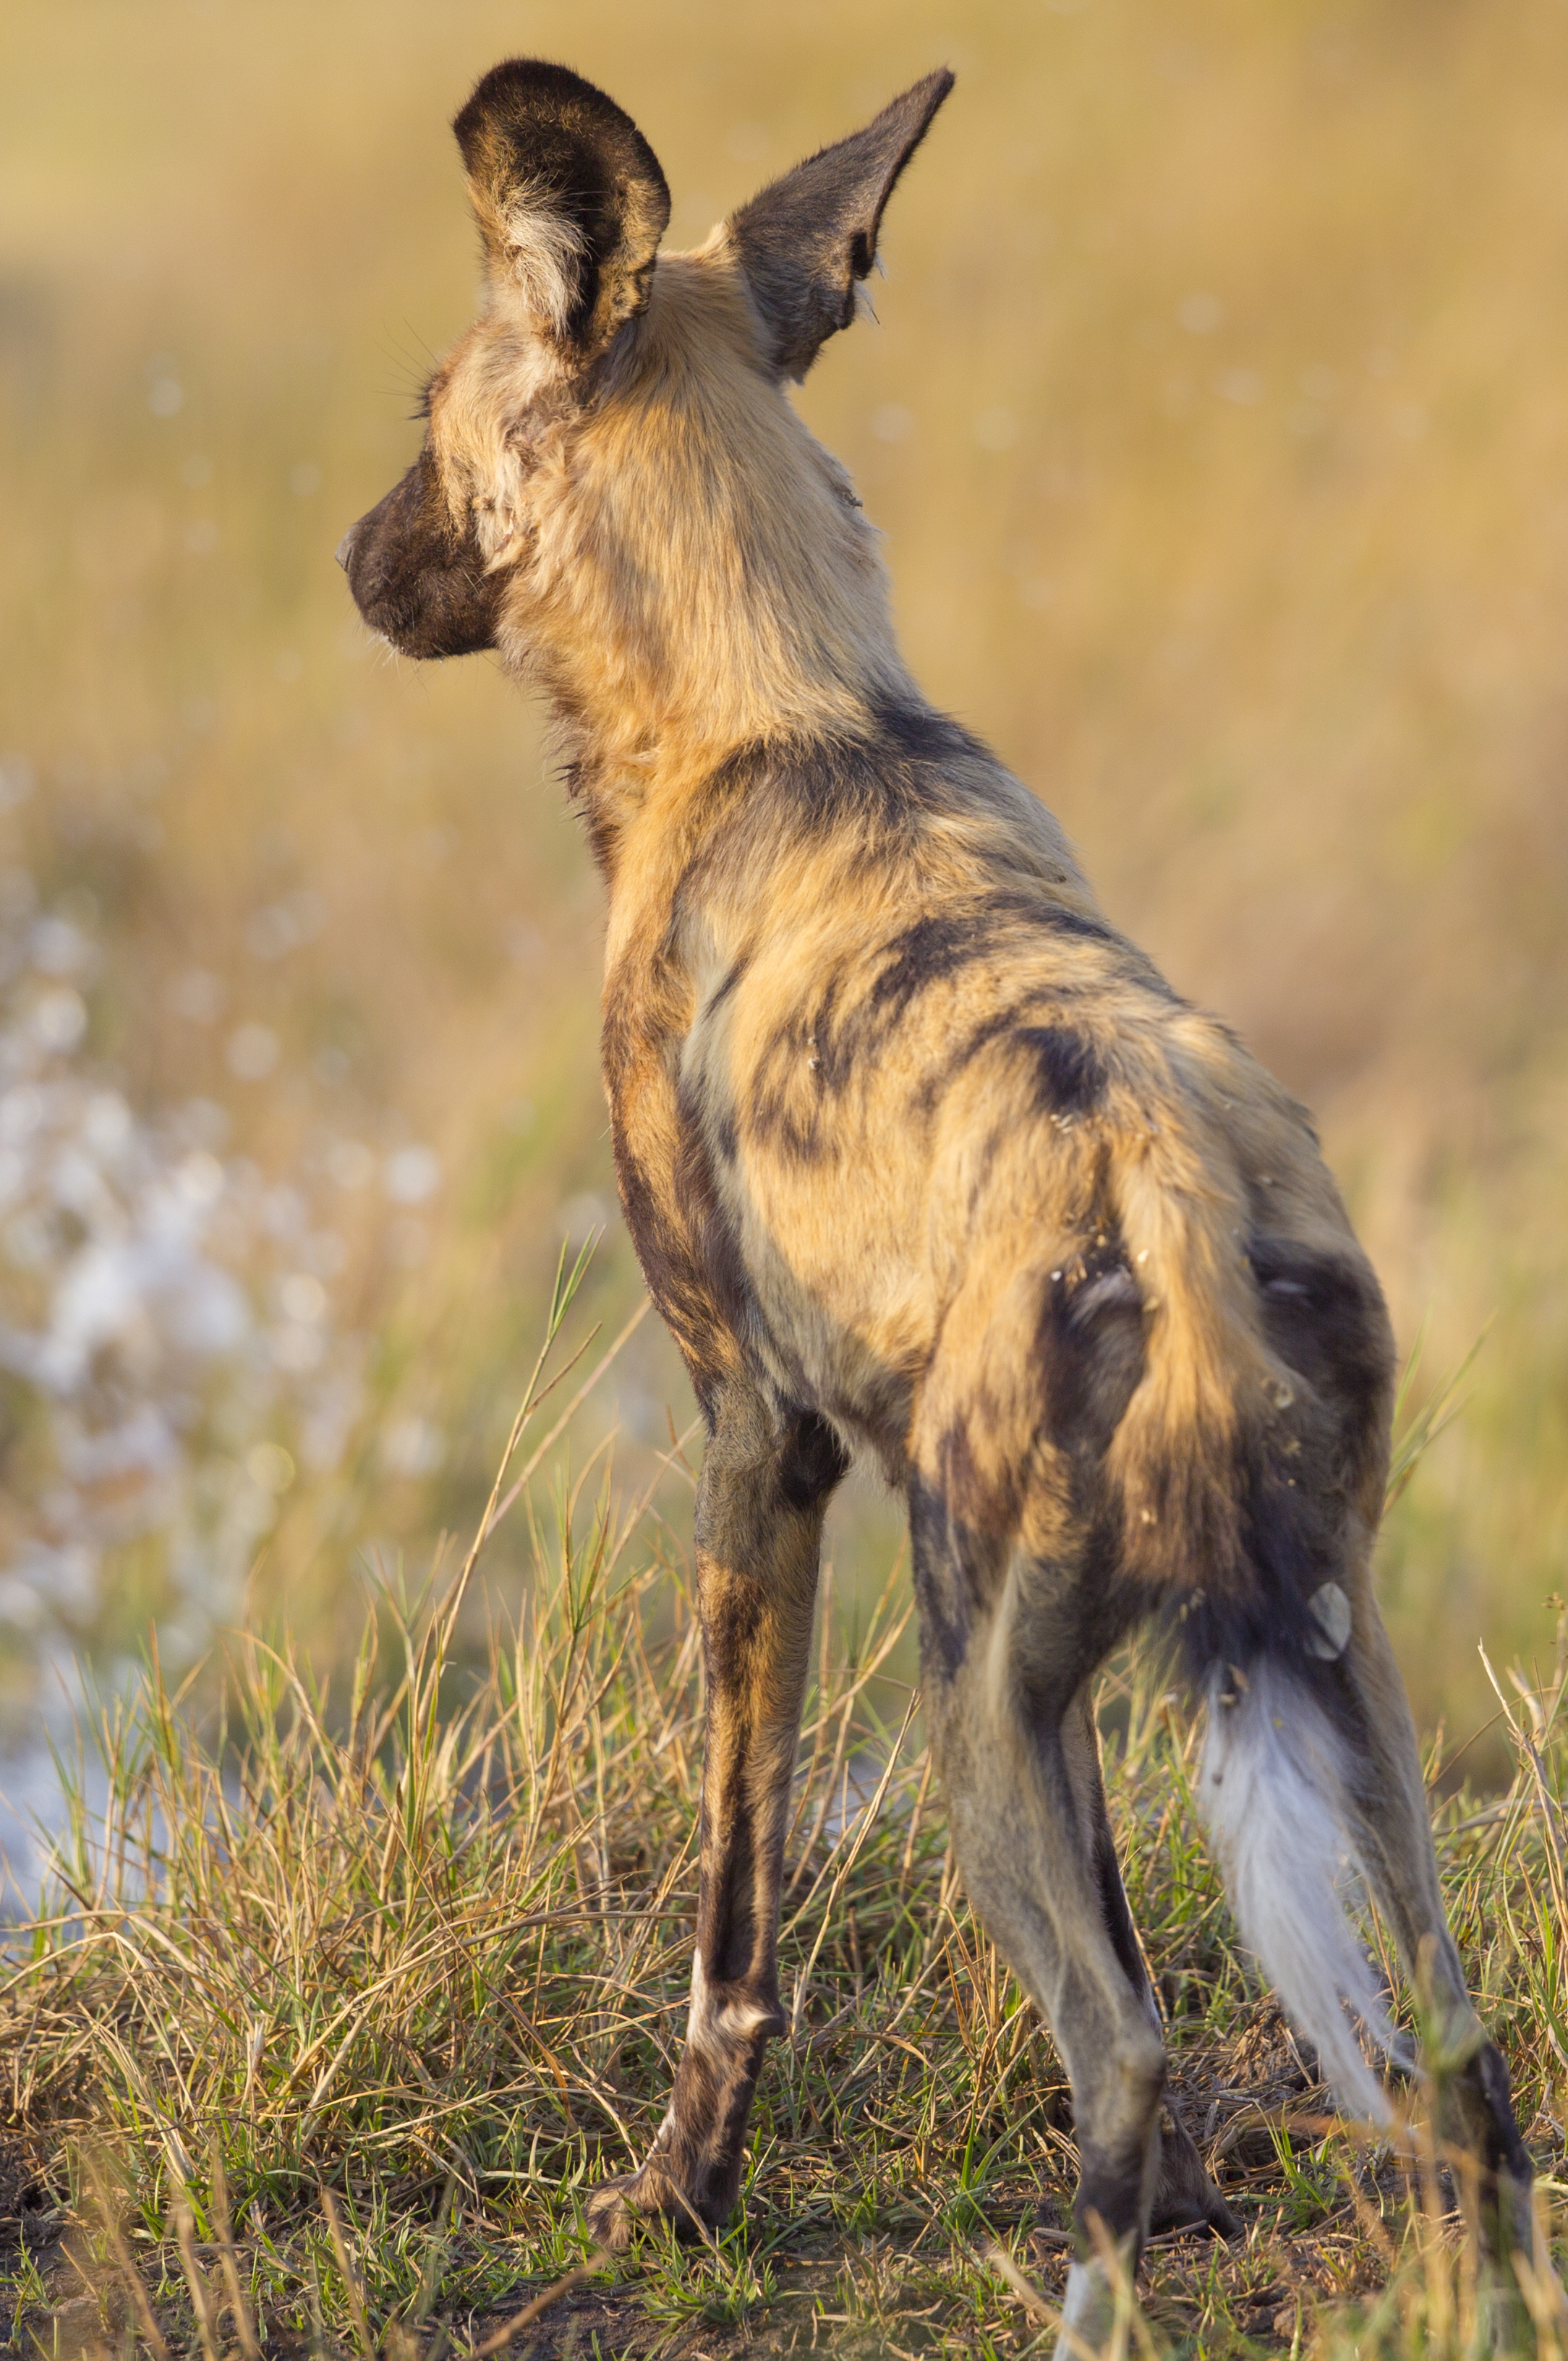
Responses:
[414,579]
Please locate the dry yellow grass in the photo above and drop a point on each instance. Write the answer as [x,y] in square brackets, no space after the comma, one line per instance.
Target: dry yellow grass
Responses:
[337,2008]
[1216,428]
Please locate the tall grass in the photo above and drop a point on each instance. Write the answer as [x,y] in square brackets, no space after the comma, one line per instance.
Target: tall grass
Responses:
[343,2000]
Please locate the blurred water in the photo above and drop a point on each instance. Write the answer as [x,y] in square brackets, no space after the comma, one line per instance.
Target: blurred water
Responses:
[171,1358]
[33,1816]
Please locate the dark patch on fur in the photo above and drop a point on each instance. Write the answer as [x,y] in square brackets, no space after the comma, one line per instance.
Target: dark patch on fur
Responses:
[934,949]
[733,975]
[983,1166]
[716,1261]
[885,784]
[980,1038]
[1303,1474]
[1505,2151]
[734,1610]
[929,952]
[1041,909]
[811,1463]
[801,1066]
[816,1052]
[1326,1319]
[685,1305]
[1300,1478]
[975,1504]
[1109,2189]
[1113,1908]
[685,1243]
[416,581]
[941,1593]
[1069,1073]
[1293,1542]
[1092,1349]
[694,1269]
[917,733]
[1081,1607]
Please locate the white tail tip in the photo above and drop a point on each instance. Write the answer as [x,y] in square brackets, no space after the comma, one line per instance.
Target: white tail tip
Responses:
[1273,1794]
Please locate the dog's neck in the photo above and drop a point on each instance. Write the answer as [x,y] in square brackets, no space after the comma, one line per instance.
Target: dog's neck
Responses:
[664,785]
[706,587]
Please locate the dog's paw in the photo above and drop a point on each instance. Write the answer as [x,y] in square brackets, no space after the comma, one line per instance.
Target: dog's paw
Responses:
[611,2213]
[615,2208]
[1185,2197]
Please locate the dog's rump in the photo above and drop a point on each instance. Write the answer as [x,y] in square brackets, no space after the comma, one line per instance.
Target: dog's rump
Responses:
[1250,1460]
[1164,1294]
[1215,1296]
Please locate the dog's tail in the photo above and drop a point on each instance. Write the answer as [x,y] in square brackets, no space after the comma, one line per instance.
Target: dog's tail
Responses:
[1248,1460]
[1274,1795]
[1187,1449]
[1248,1468]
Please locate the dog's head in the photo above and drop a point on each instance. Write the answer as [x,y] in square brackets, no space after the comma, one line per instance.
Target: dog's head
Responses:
[614,489]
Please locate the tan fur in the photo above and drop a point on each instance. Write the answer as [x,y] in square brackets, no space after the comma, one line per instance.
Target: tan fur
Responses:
[921,1158]
[532,255]
[690,463]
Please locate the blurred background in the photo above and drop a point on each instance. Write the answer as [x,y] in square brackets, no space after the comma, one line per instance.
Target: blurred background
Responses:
[1216,425]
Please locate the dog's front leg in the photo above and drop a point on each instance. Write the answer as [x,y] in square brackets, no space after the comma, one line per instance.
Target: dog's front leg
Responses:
[765,1481]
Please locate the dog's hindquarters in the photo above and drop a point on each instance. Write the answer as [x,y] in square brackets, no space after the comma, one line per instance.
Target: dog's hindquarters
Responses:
[1311,1770]
[1022,1592]
[1209,1442]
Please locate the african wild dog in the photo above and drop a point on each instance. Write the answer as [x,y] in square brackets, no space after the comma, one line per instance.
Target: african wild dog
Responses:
[921,1158]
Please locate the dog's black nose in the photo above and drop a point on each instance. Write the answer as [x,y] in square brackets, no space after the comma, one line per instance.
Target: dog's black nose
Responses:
[344,550]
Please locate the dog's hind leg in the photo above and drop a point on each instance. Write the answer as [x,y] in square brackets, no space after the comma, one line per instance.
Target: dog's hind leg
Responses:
[763,1490]
[1006,1657]
[1393,1840]
[1185,2197]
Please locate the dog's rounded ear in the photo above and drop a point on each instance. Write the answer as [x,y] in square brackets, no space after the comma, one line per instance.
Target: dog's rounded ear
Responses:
[807,239]
[569,198]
